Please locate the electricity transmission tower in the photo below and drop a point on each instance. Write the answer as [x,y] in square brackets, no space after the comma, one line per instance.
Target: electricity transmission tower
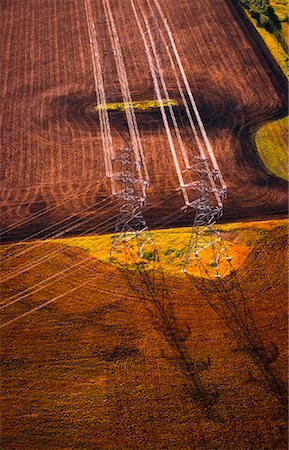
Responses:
[206,251]
[201,181]
[131,236]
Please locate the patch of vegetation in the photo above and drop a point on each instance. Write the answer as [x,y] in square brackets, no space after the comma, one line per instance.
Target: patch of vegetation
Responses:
[278,53]
[168,251]
[180,252]
[271,138]
[263,12]
[150,255]
[172,245]
[271,21]
[144,105]
[272,144]
[281,10]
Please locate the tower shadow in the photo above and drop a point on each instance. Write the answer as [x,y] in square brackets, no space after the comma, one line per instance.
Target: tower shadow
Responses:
[148,283]
[227,298]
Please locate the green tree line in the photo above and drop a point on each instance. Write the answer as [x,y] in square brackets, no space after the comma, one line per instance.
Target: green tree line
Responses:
[265,16]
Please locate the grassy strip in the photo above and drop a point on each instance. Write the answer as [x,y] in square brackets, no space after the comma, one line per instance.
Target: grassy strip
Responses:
[271,139]
[265,15]
[172,244]
[144,105]
[274,46]
[272,142]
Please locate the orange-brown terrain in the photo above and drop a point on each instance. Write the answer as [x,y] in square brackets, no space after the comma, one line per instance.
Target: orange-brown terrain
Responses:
[52,158]
[96,355]
[105,367]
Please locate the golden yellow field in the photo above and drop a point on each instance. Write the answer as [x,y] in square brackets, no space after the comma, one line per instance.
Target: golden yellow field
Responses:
[103,365]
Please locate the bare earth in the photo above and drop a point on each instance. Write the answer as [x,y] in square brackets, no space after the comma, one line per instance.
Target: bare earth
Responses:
[52,159]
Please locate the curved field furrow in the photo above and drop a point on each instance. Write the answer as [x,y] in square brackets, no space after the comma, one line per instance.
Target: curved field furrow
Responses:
[51,141]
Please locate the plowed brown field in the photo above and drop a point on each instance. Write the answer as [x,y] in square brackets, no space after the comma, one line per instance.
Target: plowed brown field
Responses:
[52,160]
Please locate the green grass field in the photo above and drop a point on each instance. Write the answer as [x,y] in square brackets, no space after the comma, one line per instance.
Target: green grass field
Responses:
[272,144]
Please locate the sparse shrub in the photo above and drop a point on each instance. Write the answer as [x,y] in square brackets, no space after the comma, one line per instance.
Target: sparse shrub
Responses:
[253,10]
[180,252]
[262,11]
[149,255]
[168,251]
[263,21]
[213,264]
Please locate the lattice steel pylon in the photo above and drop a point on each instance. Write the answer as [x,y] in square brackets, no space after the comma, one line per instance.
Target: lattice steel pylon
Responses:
[207,255]
[131,236]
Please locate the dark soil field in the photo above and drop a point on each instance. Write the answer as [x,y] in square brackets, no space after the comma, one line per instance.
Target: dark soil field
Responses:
[99,367]
[52,158]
